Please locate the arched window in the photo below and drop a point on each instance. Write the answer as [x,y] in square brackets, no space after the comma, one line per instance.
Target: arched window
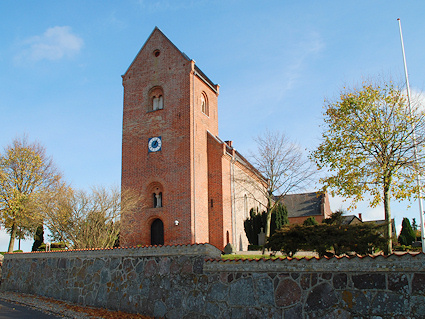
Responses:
[157,232]
[204,103]
[156,99]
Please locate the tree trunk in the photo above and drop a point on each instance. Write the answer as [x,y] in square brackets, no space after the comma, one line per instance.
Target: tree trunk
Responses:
[268,220]
[12,237]
[269,216]
[388,226]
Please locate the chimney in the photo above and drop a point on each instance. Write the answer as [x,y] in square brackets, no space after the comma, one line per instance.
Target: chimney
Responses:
[229,143]
[360,216]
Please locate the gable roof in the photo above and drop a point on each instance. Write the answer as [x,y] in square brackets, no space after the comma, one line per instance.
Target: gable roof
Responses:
[231,151]
[349,219]
[303,205]
[198,71]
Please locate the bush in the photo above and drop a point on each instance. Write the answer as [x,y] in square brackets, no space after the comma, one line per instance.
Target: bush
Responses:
[361,238]
[310,221]
[53,246]
[289,240]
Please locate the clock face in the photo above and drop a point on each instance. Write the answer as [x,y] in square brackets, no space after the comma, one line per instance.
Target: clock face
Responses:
[154,144]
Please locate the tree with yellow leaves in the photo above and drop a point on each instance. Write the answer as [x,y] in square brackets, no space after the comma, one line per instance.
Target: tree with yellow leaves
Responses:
[27,174]
[368,148]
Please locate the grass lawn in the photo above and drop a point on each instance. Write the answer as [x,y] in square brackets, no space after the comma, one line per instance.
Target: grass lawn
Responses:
[307,255]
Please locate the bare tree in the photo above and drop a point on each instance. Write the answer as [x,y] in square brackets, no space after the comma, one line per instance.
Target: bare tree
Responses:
[88,219]
[284,166]
[26,175]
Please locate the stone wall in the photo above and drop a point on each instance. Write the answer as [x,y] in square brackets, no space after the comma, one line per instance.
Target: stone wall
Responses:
[190,282]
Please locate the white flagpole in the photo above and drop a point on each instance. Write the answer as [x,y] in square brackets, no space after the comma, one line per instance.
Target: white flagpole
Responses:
[418,177]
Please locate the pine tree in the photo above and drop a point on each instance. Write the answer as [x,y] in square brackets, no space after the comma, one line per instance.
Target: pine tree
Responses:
[407,235]
[281,216]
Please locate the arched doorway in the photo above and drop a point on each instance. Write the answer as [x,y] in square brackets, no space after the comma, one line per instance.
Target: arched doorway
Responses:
[157,232]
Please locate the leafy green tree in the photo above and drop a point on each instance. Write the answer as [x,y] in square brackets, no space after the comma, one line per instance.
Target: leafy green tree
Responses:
[27,174]
[367,146]
[38,238]
[407,234]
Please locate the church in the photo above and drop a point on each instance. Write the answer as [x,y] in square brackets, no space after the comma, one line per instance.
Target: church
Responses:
[195,187]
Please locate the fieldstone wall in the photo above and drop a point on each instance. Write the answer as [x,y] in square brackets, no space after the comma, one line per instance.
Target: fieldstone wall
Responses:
[191,282]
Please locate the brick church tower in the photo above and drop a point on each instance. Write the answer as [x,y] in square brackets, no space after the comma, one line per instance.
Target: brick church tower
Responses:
[169,105]
[172,155]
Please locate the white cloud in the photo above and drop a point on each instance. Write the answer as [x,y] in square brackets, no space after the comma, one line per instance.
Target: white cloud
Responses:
[368,213]
[55,43]
[417,99]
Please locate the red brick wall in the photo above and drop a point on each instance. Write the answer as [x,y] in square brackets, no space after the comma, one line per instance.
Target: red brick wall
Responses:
[171,166]
[325,210]
[227,197]
[202,123]
[183,128]
[219,190]
[215,192]
[300,220]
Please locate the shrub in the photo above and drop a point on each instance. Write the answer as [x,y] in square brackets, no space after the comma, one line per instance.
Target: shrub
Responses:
[361,238]
[310,221]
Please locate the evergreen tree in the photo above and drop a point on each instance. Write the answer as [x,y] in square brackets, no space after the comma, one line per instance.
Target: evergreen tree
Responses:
[281,216]
[38,238]
[258,221]
[252,226]
[407,235]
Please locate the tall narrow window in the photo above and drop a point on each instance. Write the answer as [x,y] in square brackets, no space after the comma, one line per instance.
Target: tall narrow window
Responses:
[204,103]
[160,102]
[157,200]
[156,98]
[245,207]
[155,191]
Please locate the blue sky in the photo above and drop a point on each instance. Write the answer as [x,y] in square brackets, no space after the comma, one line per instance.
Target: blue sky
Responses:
[61,64]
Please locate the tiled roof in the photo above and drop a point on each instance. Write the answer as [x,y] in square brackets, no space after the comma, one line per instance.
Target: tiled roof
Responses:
[348,219]
[303,205]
